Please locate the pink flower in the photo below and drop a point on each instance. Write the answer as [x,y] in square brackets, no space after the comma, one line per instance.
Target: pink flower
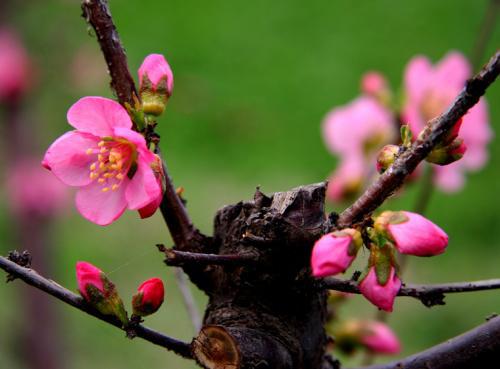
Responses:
[347,179]
[412,233]
[149,297]
[45,198]
[429,91]
[333,253]
[373,83]
[379,338]
[156,68]
[357,128]
[380,295]
[106,159]
[88,275]
[15,69]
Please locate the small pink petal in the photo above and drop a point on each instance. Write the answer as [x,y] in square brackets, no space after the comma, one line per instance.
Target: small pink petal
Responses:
[150,209]
[451,72]
[417,74]
[88,274]
[68,160]
[101,207]
[330,255]
[449,178]
[98,116]
[381,296]
[143,188]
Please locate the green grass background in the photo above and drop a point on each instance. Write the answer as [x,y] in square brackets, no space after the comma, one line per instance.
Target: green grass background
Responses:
[252,83]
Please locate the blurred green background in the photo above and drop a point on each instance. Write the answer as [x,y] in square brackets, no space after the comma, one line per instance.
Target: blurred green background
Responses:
[252,82]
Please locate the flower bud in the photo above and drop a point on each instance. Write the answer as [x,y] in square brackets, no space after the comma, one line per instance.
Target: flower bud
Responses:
[386,157]
[99,291]
[149,297]
[333,253]
[375,336]
[373,84]
[156,83]
[412,233]
[444,155]
[379,293]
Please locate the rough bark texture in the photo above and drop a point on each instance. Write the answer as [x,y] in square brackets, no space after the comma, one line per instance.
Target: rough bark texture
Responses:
[266,315]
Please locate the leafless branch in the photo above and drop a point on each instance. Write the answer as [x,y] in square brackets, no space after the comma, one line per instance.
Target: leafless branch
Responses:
[180,258]
[428,294]
[394,177]
[34,279]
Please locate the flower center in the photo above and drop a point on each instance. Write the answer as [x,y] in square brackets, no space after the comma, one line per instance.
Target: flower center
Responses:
[116,158]
[433,104]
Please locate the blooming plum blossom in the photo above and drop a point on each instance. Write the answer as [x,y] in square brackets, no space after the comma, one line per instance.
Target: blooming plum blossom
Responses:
[334,252]
[412,233]
[109,162]
[379,338]
[355,132]
[47,198]
[429,91]
[149,297]
[380,295]
[15,69]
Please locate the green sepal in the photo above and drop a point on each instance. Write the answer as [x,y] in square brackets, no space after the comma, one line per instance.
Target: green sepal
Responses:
[109,302]
[406,135]
[154,100]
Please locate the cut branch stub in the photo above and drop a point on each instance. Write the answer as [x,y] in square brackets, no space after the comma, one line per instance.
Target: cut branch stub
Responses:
[265,315]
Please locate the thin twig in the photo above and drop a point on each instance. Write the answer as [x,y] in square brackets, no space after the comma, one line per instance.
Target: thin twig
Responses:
[98,15]
[179,258]
[187,297]
[428,294]
[394,177]
[477,348]
[34,279]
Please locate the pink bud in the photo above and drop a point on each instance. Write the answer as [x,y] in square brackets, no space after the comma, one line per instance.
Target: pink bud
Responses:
[381,296]
[373,83]
[333,253]
[156,68]
[15,69]
[413,234]
[379,338]
[88,275]
[149,297]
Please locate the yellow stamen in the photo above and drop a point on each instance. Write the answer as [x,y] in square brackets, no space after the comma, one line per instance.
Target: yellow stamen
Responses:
[93,175]
[92,167]
[107,175]
[119,176]
[101,180]
[114,187]
[105,189]
[100,157]
[103,150]
[101,143]
[102,166]
[89,151]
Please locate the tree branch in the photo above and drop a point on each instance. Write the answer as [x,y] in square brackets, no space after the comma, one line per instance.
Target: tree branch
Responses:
[393,178]
[477,348]
[180,258]
[98,15]
[32,278]
[428,294]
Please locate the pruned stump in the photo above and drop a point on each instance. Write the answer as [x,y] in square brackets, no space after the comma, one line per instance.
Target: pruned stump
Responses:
[270,314]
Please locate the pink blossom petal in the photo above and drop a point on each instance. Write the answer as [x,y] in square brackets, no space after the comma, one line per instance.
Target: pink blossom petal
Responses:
[68,160]
[143,188]
[417,73]
[98,116]
[381,296]
[150,209]
[380,338]
[449,178]
[451,72]
[88,274]
[101,207]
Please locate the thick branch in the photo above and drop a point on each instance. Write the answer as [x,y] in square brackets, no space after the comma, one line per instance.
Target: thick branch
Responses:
[98,15]
[429,295]
[477,348]
[180,258]
[32,278]
[393,178]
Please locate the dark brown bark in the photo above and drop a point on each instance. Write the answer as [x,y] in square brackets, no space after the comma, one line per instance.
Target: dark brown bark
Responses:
[269,312]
